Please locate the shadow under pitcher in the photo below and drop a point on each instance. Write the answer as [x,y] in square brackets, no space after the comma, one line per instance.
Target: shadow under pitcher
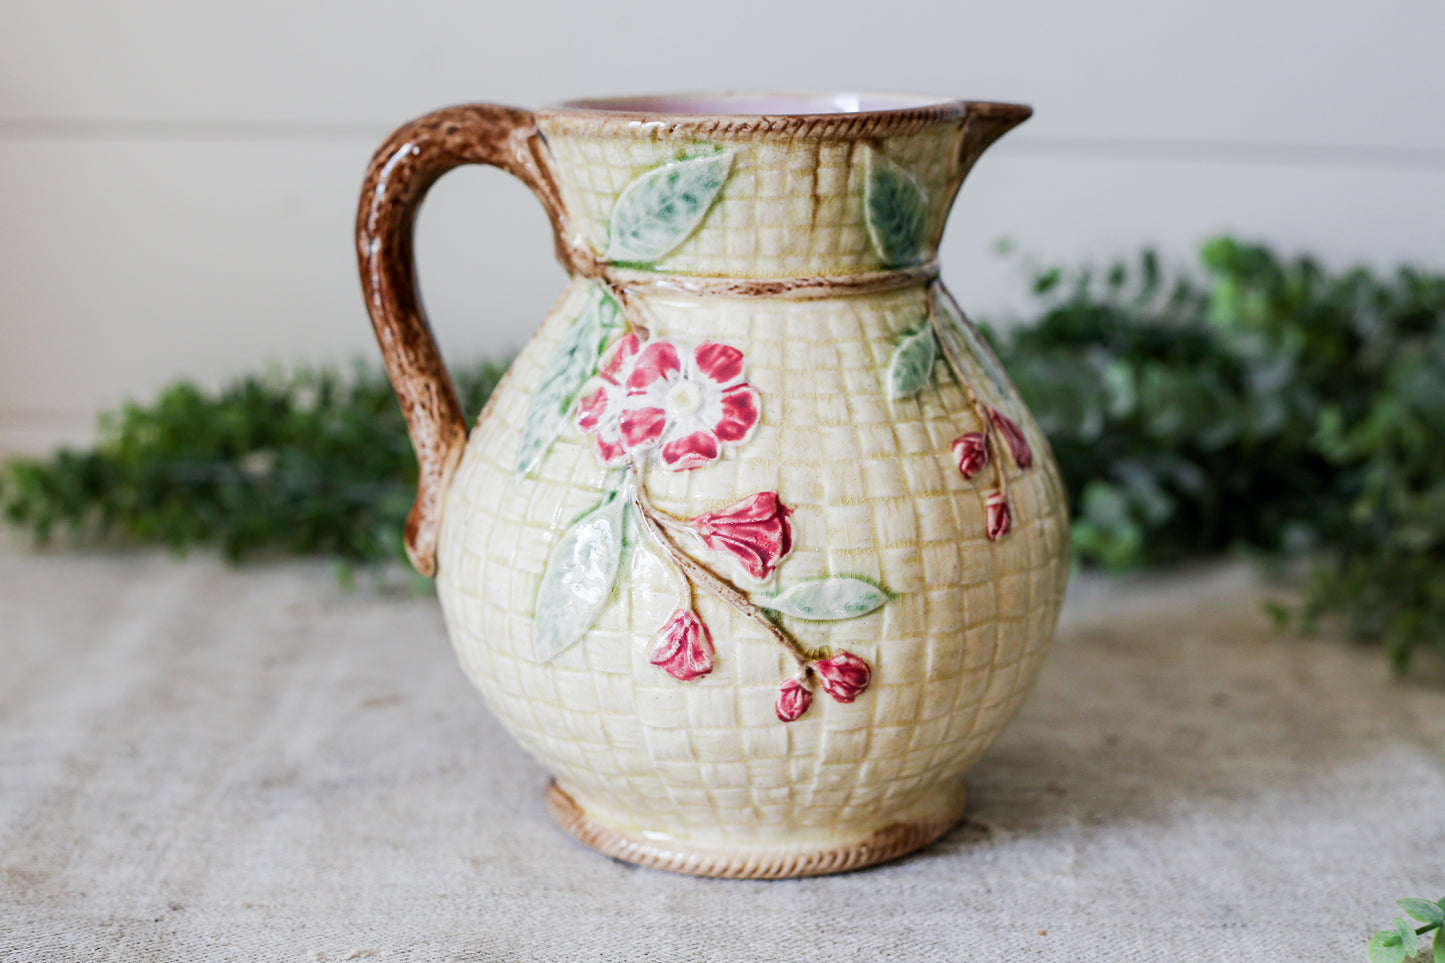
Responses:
[755,548]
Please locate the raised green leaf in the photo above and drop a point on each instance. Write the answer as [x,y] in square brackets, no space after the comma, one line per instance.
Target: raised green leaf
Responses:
[897,212]
[1423,910]
[573,361]
[826,599]
[661,209]
[579,578]
[1439,947]
[910,370]
[1386,947]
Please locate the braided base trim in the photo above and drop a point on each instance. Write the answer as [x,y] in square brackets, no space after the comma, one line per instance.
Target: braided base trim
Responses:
[885,844]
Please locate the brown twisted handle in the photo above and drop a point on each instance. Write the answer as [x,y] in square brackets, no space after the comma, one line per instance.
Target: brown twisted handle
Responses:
[401,172]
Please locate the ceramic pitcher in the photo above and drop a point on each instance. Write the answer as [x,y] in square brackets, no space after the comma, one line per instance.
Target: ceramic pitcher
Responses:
[755,548]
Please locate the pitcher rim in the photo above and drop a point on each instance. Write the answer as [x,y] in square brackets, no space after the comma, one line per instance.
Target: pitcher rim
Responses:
[667,113]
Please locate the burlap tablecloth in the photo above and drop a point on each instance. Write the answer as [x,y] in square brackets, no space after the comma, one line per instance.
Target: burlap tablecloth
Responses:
[204,764]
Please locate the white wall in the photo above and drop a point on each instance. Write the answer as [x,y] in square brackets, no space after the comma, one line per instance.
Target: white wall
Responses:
[178,178]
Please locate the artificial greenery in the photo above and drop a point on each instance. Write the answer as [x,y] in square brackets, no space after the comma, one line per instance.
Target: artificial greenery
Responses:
[1402,940]
[1275,407]
[310,463]
[1261,404]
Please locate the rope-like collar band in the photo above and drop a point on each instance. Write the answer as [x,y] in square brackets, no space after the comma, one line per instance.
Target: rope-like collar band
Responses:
[799,288]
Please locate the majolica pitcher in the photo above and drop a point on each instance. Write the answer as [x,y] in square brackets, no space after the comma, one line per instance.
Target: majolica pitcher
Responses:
[755,548]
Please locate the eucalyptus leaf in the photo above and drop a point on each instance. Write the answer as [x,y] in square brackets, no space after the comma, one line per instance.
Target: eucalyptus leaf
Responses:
[573,361]
[579,577]
[659,210]
[1423,910]
[1408,939]
[910,370]
[1385,947]
[897,212]
[826,599]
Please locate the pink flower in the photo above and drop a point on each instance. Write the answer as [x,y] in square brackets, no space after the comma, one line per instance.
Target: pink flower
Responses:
[598,411]
[998,516]
[755,531]
[683,648]
[794,698]
[1018,445]
[844,676]
[970,450]
[687,403]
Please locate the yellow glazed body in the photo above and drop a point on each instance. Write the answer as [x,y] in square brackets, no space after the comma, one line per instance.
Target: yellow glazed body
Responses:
[702,775]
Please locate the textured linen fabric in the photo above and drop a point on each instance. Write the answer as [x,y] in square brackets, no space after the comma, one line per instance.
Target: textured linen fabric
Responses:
[199,764]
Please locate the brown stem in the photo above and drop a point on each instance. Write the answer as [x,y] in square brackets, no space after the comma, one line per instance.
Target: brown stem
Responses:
[980,410]
[596,270]
[631,309]
[700,575]
[651,516]
[670,521]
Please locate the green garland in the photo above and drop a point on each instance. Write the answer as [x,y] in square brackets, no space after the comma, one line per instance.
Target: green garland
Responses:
[311,463]
[1281,409]
[1277,407]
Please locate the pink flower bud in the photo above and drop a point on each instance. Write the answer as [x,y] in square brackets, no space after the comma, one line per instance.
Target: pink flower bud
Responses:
[844,676]
[755,531]
[794,698]
[970,450]
[683,649]
[999,518]
[1018,445]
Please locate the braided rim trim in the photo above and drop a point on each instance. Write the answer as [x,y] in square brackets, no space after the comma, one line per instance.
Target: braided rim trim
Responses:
[887,843]
[581,121]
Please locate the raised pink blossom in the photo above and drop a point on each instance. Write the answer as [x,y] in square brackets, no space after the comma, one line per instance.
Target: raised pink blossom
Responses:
[755,531]
[601,404]
[683,649]
[794,698]
[998,518]
[844,676]
[686,403]
[970,450]
[1018,445]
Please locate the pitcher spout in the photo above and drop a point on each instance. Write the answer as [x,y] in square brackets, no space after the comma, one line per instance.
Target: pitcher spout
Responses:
[985,124]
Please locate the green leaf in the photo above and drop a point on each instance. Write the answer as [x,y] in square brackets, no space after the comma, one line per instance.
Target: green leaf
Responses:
[897,212]
[1047,281]
[1439,946]
[659,210]
[1423,910]
[1385,947]
[573,361]
[826,599]
[579,578]
[1408,939]
[910,370]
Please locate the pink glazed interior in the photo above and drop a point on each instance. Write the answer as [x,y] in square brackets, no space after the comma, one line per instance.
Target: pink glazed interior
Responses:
[759,104]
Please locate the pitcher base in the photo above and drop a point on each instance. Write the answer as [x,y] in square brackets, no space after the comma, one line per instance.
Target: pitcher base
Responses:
[887,843]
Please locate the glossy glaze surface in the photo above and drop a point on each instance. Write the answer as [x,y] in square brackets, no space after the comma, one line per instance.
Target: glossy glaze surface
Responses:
[756,549]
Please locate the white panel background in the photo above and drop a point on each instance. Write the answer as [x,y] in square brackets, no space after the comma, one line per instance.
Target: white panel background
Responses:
[179,178]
